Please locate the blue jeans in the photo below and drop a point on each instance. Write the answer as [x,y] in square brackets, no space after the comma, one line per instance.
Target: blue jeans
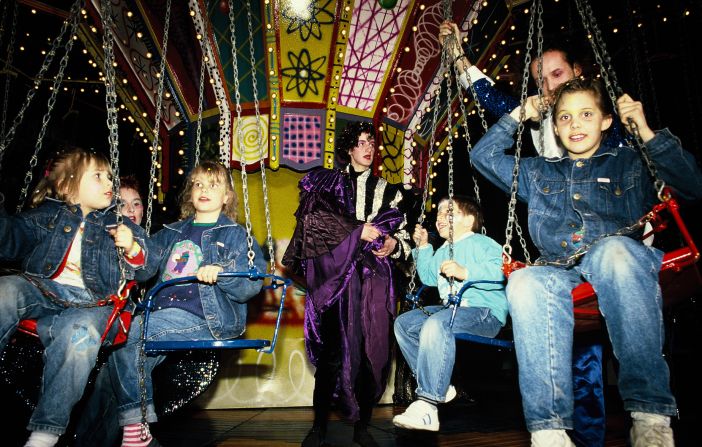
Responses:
[624,274]
[429,346]
[171,324]
[71,339]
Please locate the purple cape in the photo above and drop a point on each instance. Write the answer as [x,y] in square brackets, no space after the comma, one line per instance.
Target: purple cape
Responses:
[340,268]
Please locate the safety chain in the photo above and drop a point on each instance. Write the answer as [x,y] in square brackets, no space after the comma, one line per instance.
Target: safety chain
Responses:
[540,68]
[481,113]
[6,139]
[144,428]
[446,68]
[240,142]
[430,153]
[511,214]
[261,145]
[580,252]
[58,79]
[601,56]
[8,63]
[157,118]
[613,88]
[200,101]
[58,301]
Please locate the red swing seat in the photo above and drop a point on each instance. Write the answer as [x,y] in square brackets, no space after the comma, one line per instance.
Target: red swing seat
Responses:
[119,301]
[679,277]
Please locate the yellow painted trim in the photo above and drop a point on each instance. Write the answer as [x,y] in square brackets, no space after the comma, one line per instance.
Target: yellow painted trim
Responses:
[273,87]
[342,35]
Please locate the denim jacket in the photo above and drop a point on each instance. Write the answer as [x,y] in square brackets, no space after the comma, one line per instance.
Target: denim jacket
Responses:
[224,303]
[42,236]
[573,202]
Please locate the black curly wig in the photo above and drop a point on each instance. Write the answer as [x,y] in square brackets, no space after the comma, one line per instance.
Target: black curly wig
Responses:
[349,139]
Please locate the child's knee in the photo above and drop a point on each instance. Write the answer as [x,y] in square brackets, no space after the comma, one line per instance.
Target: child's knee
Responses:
[84,338]
[435,329]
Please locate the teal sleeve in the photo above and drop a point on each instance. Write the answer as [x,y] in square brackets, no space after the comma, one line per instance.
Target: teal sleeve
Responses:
[426,268]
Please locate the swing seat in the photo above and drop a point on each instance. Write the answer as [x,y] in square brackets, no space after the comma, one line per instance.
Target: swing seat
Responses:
[262,345]
[498,342]
[679,277]
[29,326]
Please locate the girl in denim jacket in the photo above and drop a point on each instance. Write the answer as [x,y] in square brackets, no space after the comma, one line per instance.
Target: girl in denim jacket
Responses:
[206,242]
[69,262]
[573,201]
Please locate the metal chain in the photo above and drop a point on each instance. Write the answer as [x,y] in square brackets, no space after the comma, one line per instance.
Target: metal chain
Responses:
[511,213]
[6,139]
[481,113]
[649,72]
[157,118]
[58,79]
[201,94]
[597,44]
[2,21]
[240,142]
[261,145]
[8,63]
[612,86]
[200,101]
[580,252]
[540,69]
[144,429]
[59,301]
[445,70]
[430,153]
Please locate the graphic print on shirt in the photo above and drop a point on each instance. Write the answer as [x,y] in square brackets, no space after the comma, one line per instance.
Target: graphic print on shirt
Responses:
[184,260]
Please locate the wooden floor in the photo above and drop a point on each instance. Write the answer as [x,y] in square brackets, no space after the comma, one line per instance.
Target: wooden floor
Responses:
[278,427]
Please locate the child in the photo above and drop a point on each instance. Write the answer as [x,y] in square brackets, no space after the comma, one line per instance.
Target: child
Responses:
[574,202]
[69,263]
[427,341]
[132,205]
[206,242]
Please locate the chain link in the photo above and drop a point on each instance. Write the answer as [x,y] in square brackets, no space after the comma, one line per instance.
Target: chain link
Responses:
[240,142]
[159,112]
[8,63]
[511,213]
[464,113]
[613,89]
[200,105]
[50,107]
[261,145]
[430,153]
[7,138]
[446,69]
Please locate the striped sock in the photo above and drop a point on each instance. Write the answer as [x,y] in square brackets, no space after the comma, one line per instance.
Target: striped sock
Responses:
[131,435]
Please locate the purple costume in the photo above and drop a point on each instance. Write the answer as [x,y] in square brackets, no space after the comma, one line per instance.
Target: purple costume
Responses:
[340,269]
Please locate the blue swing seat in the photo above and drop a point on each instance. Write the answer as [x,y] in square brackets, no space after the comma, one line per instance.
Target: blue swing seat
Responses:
[262,345]
[454,301]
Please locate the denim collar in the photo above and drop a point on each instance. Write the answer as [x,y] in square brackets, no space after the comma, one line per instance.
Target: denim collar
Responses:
[604,149]
[222,221]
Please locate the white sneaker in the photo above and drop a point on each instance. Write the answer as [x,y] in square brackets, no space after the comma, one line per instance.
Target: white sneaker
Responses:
[551,438]
[450,394]
[420,415]
[651,430]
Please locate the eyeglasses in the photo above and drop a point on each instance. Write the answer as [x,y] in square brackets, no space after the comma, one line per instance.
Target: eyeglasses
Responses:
[364,143]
